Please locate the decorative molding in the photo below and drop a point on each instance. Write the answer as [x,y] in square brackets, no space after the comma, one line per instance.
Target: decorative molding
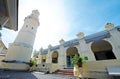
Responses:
[61,41]
[80,35]
[49,46]
[109,26]
[24,44]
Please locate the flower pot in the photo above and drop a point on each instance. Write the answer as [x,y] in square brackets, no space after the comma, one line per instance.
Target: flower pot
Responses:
[76,70]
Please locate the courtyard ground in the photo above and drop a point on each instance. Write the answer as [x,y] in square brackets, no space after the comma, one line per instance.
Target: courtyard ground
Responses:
[31,75]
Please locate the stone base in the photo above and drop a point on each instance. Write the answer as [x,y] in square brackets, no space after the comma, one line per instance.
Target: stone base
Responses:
[14,66]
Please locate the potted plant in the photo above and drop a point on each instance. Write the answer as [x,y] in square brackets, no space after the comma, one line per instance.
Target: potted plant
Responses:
[77,62]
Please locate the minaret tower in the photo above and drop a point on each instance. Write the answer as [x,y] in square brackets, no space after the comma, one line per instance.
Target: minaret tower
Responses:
[20,51]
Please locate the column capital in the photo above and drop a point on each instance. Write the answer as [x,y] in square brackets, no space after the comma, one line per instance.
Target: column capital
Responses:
[61,41]
[109,26]
[49,46]
[80,35]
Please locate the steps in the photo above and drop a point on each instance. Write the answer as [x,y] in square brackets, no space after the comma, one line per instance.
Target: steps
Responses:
[64,72]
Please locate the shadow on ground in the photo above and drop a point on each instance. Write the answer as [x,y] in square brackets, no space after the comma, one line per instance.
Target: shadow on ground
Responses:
[16,75]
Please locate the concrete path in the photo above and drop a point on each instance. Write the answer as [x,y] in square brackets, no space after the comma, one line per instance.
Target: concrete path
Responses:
[31,75]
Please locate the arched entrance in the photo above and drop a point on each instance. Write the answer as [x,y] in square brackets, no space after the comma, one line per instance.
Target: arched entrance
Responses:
[102,50]
[71,51]
[55,57]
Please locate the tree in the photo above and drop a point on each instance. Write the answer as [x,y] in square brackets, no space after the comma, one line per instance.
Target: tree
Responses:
[77,60]
[32,63]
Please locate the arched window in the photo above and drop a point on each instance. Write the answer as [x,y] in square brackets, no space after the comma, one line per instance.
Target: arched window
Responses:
[55,57]
[102,50]
[43,58]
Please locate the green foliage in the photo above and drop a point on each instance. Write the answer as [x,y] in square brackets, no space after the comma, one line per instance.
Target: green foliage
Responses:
[77,60]
[32,63]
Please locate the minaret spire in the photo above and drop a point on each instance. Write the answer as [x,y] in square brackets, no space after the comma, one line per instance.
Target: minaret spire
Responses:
[20,51]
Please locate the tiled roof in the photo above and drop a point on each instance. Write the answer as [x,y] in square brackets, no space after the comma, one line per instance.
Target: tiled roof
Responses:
[97,36]
[45,51]
[55,47]
[71,43]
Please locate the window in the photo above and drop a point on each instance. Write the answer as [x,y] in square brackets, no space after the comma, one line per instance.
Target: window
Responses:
[55,57]
[54,60]
[102,50]
[43,60]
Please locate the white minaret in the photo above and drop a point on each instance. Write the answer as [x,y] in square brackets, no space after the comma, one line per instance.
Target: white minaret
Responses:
[20,51]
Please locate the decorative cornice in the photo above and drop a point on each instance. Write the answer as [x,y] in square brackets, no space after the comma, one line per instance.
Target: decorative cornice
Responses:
[109,26]
[24,44]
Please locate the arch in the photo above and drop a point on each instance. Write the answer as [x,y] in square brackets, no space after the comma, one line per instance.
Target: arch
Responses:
[71,51]
[43,58]
[102,50]
[55,57]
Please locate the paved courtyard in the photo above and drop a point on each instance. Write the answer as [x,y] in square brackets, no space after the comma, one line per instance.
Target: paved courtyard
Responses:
[31,75]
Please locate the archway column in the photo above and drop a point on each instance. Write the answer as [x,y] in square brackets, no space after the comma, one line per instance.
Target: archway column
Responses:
[49,57]
[62,57]
[39,59]
[116,49]
[114,41]
[85,50]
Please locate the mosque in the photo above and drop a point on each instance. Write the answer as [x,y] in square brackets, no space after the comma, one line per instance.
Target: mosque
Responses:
[101,51]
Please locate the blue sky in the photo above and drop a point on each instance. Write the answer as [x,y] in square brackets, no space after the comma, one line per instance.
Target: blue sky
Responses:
[90,16]
[65,18]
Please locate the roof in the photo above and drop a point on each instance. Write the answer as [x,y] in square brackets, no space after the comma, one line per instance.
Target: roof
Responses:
[97,36]
[71,43]
[9,14]
[45,51]
[65,44]
[89,38]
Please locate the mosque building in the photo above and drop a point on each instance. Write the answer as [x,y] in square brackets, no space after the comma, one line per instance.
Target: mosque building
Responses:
[101,51]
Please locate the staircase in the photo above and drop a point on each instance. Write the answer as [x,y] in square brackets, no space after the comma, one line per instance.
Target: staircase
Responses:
[64,72]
